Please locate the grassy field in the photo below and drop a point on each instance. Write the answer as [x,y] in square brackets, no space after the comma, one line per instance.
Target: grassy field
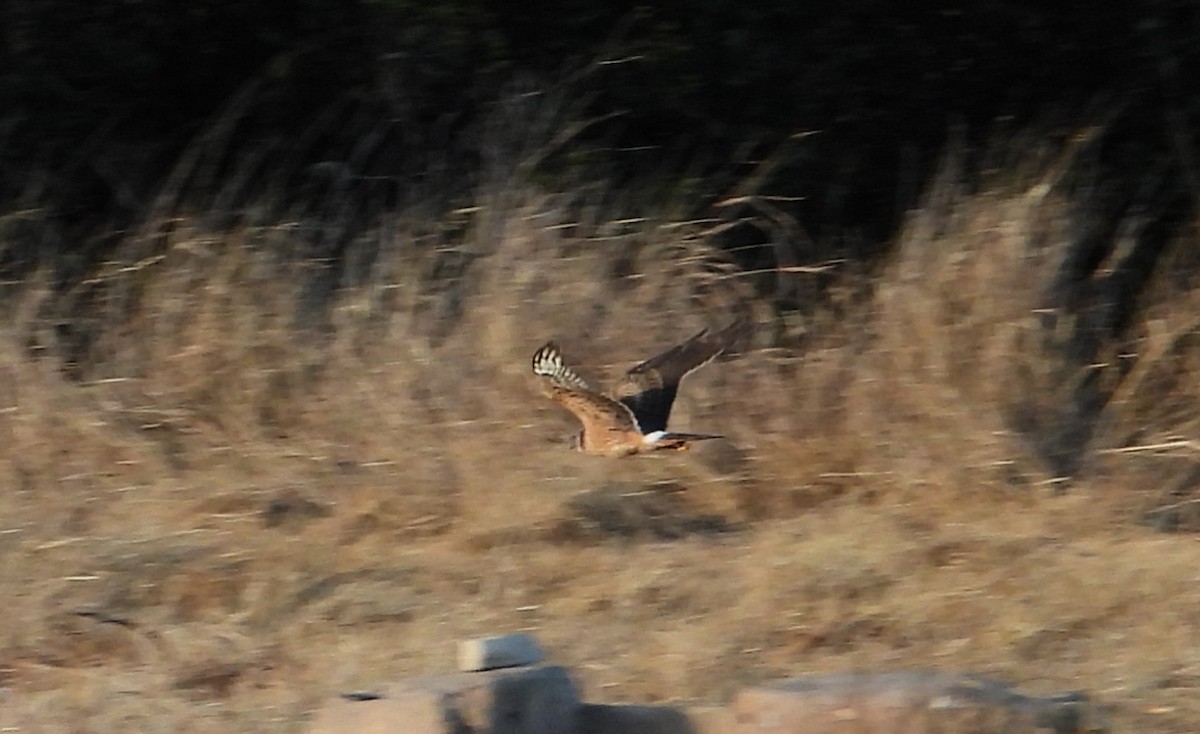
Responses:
[237,482]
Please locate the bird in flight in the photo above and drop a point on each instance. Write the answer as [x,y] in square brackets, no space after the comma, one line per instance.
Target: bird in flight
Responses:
[633,418]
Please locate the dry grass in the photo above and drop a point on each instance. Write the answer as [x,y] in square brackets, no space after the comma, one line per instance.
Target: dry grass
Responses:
[244,498]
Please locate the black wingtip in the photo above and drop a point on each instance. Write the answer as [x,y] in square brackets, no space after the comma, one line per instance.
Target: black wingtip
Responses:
[734,336]
[549,350]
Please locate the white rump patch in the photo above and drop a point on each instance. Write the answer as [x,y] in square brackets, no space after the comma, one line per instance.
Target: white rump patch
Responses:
[653,437]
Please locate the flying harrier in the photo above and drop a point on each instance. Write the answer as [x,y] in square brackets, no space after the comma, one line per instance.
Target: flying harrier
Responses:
[634,419]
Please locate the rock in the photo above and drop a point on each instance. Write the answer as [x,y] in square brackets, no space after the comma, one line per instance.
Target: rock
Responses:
[907,701]
[541,700]
[502,651]
[622,719]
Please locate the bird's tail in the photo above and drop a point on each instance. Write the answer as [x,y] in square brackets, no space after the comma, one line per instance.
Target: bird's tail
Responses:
[671,435]
[678,441]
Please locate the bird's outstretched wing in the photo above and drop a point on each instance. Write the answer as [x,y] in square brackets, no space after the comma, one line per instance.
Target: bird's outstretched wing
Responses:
[598,413]
[649,388]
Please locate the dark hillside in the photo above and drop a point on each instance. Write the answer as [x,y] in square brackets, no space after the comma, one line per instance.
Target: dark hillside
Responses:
[101,100]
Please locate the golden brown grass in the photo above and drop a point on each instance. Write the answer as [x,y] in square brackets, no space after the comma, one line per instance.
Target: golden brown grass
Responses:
[240,502]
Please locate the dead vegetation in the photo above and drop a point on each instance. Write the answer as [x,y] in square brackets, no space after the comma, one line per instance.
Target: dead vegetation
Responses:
[239,480]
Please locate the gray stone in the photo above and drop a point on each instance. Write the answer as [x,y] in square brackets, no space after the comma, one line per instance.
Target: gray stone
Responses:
[542,700]
[907,702]
[623,719]
[501,651]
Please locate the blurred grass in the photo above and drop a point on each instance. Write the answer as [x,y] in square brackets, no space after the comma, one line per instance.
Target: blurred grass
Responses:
[241,476]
